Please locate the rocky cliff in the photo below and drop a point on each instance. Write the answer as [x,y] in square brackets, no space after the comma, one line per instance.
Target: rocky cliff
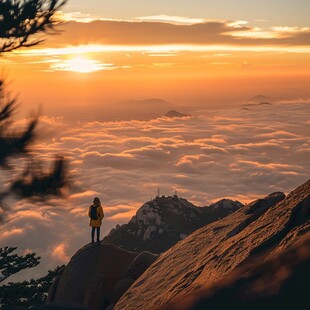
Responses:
[264,228]
[165,220]
[98,275]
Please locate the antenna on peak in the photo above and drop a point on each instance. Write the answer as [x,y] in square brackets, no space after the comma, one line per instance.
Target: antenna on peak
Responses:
[158,192]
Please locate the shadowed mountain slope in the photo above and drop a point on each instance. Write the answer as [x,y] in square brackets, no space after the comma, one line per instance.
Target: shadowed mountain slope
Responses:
[278,283]
[266,227]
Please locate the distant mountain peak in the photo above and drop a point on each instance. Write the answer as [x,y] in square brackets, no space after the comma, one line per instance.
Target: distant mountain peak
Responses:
[260,99]
[175,114]
[264,103]
[226,204]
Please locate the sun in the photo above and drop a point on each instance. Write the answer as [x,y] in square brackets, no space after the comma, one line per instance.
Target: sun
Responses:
[82,65]
[79,64]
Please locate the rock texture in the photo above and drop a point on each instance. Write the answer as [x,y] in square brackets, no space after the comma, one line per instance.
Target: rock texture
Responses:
[163,221]
[265,228]
[278,283]
[132,273]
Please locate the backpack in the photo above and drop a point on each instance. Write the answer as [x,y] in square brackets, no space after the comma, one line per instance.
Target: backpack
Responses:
[93,213]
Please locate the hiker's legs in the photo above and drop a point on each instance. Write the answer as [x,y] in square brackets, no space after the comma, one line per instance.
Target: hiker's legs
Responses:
[93,234]
[98,234]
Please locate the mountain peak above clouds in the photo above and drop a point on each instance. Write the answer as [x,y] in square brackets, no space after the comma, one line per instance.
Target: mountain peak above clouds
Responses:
[175,114]
[165,220]
[260,98]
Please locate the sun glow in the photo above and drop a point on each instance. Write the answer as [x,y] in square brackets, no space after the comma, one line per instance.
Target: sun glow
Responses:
[80,65]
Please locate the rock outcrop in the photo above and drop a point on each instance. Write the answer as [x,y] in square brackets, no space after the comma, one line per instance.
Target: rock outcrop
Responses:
[264,228]
[98,275]
[163,221]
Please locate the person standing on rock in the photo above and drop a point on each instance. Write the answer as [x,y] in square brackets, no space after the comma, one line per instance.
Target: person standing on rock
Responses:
[95,213]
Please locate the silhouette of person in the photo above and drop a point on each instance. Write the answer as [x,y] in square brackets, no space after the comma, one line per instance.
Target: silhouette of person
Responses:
[95,213]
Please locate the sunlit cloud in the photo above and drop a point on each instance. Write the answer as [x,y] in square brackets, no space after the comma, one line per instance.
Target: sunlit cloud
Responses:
[237,23]
[271,166]
[161,53]
[84,194]
[286,29]
[295,101]
[234,153]
[80,65]
[82,17]
[159,39]
[281,32]
[13,232]
[123,215]
[172,19]
[256,33]
[157,49]
[59,252]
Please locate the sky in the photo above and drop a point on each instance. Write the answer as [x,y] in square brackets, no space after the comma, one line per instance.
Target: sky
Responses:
[103,83]
[183,52]
[272,12]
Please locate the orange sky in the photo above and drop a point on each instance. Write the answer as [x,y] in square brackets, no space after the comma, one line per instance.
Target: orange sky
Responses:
[213,62]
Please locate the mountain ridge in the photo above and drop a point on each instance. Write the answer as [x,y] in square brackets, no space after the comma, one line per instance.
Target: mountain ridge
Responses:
[161,222]
[218,248]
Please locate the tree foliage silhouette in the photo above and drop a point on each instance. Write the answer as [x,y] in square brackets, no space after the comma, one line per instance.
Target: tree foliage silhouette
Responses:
[20,23]
[27,293]
[20,20]
[35,182]
[12,263]
[12,144]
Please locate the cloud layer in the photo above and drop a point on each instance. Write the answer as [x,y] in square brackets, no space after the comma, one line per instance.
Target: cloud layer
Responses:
[239,153]
[161,30]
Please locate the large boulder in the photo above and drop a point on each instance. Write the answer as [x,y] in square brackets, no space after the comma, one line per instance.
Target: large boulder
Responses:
[97,276]
[90,277]
[266,227]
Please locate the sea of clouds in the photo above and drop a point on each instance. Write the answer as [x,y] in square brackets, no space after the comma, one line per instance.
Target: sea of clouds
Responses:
[243,153]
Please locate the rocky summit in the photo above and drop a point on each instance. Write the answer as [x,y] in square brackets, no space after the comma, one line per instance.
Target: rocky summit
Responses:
[165,220]
[265,228]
